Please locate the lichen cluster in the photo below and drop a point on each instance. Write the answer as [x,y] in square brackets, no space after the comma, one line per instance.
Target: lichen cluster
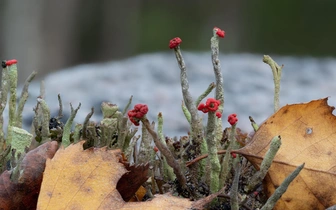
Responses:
[176,164]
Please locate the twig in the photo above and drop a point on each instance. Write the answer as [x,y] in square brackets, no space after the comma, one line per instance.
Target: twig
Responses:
[166,152]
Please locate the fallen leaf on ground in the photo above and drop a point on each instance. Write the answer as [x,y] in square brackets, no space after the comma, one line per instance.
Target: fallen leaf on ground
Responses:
[24,194]
[87,179]
[130,182]
[308,135]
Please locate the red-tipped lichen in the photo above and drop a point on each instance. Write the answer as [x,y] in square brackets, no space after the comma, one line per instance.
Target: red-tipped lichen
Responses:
[174,42]
[219,32]
[211,105]
[137,113]
[232,119]
[11,62]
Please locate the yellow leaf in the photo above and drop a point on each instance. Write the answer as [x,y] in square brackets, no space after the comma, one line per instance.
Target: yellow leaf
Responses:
[308,135]
[87,179]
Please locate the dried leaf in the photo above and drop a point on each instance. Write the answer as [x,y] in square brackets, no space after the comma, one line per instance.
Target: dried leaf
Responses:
[308,135]
[24,194]
[139,195]
[130,182]
[87,179]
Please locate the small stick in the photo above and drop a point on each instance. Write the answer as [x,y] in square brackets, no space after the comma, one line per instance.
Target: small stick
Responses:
[166,152]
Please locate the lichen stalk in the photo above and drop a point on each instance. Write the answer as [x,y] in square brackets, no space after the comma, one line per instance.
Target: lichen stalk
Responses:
[188,100]
[265,164]
[186,112]
[108,109]
[205,93]
[60,104]
[227,161]
[23,99]
[45,133]
[167,170]
[127,105]
[276,70]
[212,151]
[234,201]
[145,146]
[20,139]
[68,124]
[219,95]
[76,135]
[12,72]
[254,125]
[3,102]
[196,125]
[270,203]
[217,70]
[123,141]
[86,123]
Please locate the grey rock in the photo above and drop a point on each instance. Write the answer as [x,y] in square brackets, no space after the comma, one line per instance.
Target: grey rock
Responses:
[154,79]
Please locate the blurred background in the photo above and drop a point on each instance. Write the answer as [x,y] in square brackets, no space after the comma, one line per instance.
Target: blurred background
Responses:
[51,35]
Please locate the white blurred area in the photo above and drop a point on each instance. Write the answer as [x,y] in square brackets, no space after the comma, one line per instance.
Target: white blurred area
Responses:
[154,79]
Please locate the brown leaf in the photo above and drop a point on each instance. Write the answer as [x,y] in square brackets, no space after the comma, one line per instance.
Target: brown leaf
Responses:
[87,179]
[130,182]
[308,135]
[24,194]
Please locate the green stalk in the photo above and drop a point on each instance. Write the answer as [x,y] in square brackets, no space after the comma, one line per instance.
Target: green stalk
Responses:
[167,170]
[212,151]
[276,69]
[68,125]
